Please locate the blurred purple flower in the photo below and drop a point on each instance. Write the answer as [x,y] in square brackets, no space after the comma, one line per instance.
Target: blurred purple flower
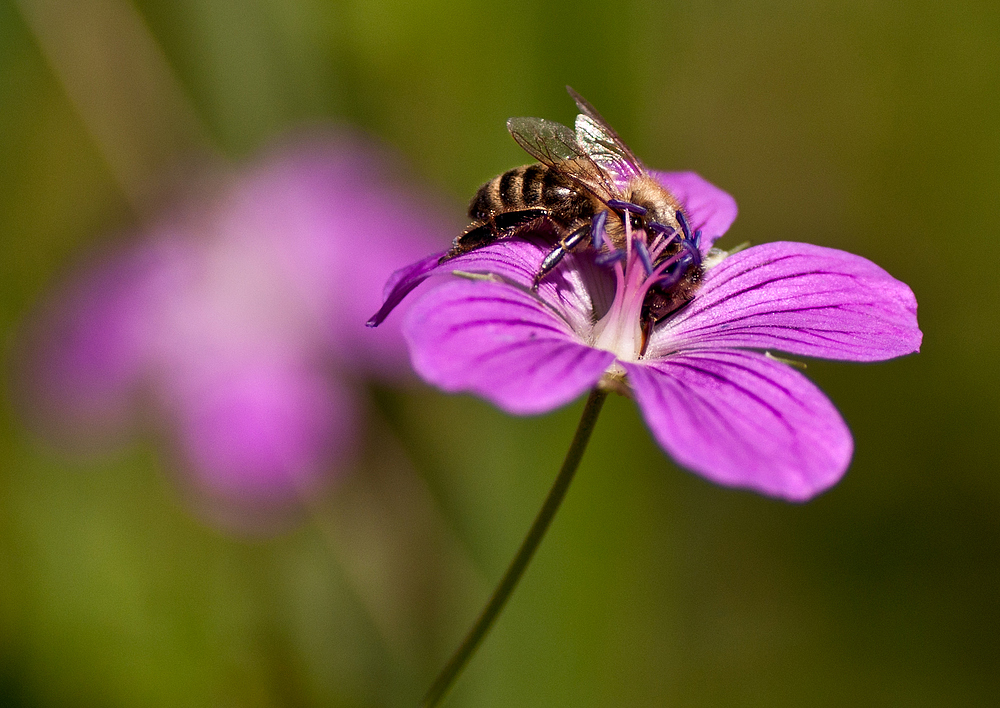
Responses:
[712,396]
[237,323]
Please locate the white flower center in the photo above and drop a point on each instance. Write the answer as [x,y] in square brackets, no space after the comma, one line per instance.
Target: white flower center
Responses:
[620,329]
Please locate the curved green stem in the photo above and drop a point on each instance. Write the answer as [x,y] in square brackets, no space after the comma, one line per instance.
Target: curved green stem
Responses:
[517,566]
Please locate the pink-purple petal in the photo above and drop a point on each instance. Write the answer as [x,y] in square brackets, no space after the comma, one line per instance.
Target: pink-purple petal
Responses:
[501,343]
[709,209]
[743,420]
[515,260]
[332,216]
[402,282]
[84,354]
[262,431]
[801,299]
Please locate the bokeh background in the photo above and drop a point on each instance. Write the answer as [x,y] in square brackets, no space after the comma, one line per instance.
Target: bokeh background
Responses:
[868,126]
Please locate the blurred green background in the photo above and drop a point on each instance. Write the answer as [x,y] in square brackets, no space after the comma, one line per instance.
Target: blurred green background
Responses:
[872,127]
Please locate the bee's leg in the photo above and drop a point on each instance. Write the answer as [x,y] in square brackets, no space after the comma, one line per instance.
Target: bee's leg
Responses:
[492,230]
[564,246]
[514,219]
[472,239]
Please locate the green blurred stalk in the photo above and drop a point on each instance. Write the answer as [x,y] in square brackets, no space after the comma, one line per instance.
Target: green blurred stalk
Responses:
[529,545]
[121,84]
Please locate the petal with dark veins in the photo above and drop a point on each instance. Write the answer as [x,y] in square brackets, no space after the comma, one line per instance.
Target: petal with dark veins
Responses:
[743,420]
[797,298]
[501,343]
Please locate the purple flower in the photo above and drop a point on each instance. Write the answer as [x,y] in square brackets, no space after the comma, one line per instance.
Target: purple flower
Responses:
[703,378]
[236,324]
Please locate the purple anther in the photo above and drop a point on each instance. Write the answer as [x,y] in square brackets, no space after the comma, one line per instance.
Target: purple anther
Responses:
[627,206]
[658,228]
[697,239]
[693,253]
[682,220]
[597,229]
[643,252]
[672,278]
[608,258]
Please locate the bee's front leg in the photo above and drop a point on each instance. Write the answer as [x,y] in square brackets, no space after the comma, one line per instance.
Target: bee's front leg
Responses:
[565,245]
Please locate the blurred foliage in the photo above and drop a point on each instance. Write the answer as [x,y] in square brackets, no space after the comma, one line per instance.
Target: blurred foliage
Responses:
[873,127]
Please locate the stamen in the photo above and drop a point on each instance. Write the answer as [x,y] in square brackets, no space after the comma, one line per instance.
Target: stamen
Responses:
[660,244]
[597,229]
[647,262]
[663,266]
[672,278]
[662,229]
[663,258]
[681,262]
[628,237]
[682,220]
[627,206]
[693,253]
[610,257]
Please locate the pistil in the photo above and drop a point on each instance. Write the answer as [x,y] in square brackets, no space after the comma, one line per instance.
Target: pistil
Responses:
[620,330]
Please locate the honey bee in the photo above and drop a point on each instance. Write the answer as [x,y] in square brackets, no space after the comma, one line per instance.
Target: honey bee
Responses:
[588,190]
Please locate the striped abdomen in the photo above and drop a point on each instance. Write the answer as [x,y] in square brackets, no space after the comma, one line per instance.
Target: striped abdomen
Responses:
[530,187]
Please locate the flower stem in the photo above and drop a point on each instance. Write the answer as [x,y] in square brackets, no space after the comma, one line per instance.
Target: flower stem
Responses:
[517,566]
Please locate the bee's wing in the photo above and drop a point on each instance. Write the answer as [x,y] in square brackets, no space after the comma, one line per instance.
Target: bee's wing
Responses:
[602,144]
[556,146]
[545,140]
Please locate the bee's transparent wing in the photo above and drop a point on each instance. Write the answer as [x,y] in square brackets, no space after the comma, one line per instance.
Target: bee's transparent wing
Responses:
[556,146]
[602,144]
[545,140]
